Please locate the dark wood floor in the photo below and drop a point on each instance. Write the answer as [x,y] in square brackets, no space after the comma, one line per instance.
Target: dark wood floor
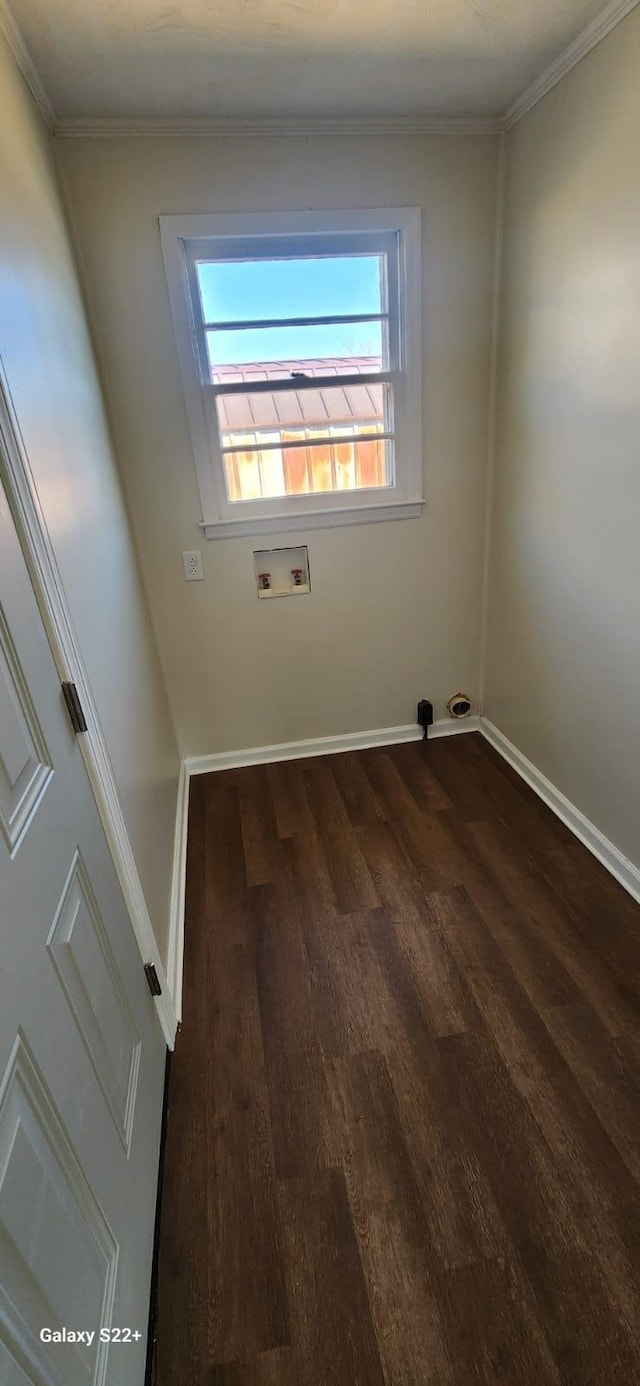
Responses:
[403,1136]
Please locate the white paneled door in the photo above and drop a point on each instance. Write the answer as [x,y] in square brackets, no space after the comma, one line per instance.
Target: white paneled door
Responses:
[81,1051]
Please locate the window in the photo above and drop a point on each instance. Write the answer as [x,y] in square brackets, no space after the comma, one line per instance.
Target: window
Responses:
[300,352]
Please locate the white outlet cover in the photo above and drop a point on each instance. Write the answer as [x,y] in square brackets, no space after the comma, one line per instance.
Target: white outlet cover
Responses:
[192,565]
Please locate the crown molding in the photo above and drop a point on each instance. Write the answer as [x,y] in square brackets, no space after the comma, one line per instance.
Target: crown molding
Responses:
[588,39]
[289,126]
[163,128]
[16,44]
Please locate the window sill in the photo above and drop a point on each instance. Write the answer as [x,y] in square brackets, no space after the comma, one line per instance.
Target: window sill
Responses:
[311,519]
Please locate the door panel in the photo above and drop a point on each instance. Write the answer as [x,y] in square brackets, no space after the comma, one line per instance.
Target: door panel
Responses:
[58,1254]
[24,768]
[87,970]
[81,1050]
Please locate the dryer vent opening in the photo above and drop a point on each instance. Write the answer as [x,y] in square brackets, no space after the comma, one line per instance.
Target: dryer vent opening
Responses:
[459,705]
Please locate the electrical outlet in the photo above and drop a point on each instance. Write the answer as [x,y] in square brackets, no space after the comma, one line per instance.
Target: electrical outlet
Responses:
[192,564]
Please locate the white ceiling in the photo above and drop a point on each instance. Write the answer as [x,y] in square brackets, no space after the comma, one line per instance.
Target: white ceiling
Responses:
[278,58]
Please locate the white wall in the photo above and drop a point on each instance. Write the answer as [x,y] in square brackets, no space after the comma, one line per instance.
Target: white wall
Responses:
[48,361]
[394,614]
[563,669]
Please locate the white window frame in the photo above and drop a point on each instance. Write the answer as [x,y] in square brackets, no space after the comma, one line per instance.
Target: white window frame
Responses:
[183,239]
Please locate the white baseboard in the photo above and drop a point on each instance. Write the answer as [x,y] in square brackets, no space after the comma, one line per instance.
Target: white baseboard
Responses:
[175,951]
[448,726]
[322,746]
[620,866]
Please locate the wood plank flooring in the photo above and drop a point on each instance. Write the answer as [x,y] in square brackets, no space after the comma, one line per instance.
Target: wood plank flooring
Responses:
[404,1121]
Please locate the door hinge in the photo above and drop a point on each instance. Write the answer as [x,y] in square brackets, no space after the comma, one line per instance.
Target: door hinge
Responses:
[74,707]
[152,979]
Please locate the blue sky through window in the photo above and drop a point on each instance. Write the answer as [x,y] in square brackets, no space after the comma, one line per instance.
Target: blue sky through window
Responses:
[235,291]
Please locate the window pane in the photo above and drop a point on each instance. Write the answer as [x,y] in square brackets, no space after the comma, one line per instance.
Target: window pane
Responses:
[277,352]
[336,410]
[247,290]
[253,474]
